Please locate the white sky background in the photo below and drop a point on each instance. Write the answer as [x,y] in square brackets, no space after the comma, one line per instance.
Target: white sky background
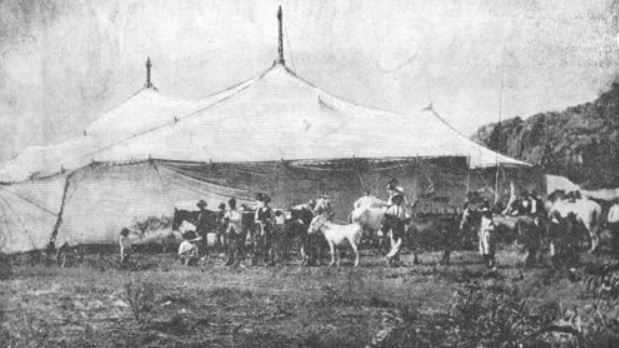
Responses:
[62,63]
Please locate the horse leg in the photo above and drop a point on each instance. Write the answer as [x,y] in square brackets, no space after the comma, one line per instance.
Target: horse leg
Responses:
[338,254]
[355,249]
[446,256]
[595,240]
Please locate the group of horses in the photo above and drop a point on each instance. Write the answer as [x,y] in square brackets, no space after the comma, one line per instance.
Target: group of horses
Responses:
[310,229]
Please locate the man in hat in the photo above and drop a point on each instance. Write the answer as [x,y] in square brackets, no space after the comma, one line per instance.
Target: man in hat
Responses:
[203,226]
[394,189]
[613,225]
[399,211]
[263,218]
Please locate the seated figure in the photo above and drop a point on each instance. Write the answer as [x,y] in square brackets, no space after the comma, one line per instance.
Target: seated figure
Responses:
[187,251]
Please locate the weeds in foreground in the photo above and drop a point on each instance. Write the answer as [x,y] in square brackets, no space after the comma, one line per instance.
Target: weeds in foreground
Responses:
[141,297]
[496,316]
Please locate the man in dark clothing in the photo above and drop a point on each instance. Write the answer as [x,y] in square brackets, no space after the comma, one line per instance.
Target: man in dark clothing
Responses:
[203,225]
[264,220]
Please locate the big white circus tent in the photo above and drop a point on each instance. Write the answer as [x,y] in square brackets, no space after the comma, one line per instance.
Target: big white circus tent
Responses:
[274,133]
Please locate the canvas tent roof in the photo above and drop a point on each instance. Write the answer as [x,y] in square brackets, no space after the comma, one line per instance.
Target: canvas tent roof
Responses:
[145,110]
[275,115]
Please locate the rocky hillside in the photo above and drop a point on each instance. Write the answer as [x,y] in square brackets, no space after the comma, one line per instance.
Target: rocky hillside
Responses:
[581,142]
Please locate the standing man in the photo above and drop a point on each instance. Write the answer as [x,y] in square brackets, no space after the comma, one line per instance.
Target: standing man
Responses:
[486,242]
[202,224]
[234,232]
[400,212]
[613,226]
[263,218]
[125,246]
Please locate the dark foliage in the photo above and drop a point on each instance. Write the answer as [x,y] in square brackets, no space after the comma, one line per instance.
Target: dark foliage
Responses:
[581,142]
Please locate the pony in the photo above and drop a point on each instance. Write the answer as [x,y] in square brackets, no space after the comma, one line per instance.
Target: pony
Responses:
[336,235]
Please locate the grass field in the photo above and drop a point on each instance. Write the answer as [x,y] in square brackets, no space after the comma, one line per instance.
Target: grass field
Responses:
[209,305]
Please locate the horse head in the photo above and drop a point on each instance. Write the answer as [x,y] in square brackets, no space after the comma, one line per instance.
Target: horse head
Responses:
[180,216]
[317,223]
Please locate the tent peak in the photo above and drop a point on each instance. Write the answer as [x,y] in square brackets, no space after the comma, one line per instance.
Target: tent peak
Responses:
[280,39]
[149,65]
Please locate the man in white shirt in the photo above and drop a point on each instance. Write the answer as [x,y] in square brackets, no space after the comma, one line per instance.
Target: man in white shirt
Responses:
[234,232]
[486,243]
[187,251]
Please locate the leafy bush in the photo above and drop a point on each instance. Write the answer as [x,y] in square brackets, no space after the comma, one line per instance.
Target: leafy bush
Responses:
[152,223]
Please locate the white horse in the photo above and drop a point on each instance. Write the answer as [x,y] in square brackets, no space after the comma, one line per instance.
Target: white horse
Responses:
[336,235]
[588,212]
[369,202]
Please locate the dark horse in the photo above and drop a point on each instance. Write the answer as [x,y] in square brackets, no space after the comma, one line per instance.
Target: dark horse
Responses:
[424,232]
[210,222]
[434,232]
[526,229]
[183,215]
[311,247]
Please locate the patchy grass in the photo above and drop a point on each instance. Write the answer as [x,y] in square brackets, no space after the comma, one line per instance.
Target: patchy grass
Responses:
[211,305]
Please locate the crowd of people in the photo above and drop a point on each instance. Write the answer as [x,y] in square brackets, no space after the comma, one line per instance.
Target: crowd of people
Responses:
[270,228]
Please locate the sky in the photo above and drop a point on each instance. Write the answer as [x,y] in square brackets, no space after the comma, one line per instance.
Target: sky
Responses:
[63,63]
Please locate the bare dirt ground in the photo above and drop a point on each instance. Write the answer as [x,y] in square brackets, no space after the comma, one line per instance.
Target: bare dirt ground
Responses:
[165,304]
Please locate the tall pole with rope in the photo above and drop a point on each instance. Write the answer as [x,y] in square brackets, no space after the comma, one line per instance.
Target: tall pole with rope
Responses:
[498,144]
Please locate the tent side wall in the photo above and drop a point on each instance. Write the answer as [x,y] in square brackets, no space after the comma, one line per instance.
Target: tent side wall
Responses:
[101,199]
[28,213]
[343,181]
